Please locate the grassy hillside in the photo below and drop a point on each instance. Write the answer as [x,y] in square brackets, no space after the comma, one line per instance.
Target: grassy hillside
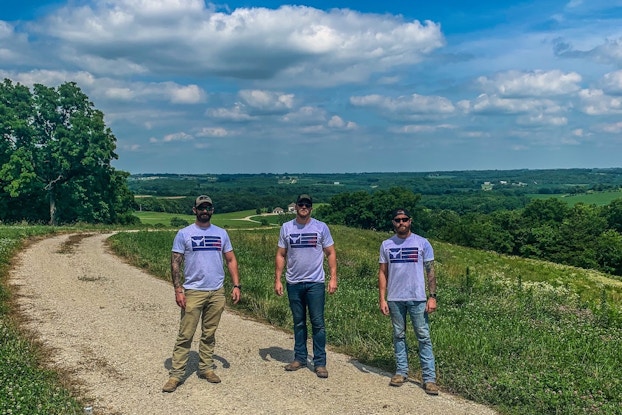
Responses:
[525,336]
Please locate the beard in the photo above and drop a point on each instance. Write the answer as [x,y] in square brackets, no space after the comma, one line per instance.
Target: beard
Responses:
[402,231]
[204,217]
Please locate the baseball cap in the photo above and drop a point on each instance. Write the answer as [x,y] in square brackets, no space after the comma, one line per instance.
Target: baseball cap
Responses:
[400,211]
[304,196]
[202,199]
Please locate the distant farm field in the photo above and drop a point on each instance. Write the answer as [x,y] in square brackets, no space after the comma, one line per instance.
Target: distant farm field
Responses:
[224,220]
[595,198]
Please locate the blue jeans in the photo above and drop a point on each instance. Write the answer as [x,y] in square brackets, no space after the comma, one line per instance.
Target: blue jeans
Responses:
[303,296]
[419,318]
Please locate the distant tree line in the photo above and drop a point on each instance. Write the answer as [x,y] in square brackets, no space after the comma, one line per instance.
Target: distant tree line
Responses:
[585,236]
[55,155]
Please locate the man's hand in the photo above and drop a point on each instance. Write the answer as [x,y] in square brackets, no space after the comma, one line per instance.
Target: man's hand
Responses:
[384,307]
[236,294]
[278,288]
[430,306]
[180,299]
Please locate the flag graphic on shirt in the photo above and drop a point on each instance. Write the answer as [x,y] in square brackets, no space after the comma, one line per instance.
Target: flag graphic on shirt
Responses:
[303,240]
[206,243]
[399,255]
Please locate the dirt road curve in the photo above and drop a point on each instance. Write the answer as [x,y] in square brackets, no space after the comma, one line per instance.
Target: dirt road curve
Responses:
[113,326]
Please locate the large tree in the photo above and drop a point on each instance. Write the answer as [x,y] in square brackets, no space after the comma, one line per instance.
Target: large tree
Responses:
[56,151]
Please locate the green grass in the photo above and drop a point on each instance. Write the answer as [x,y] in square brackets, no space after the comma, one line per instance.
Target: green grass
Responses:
[25,386]
[224,220]
[524,336]
[595,198]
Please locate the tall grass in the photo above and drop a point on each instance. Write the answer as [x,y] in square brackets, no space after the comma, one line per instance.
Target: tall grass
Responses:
[25,386]
[524,336]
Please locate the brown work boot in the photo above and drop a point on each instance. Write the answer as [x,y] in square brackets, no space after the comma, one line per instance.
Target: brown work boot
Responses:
[210,376]
[398,380]
[321,372]
[295,365]
[430,388]
[170,385]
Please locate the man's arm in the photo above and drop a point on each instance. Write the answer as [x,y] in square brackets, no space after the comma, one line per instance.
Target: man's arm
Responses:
[232,266]
[177,260]
[279,265]
[431,277]
[382,288]
[331,256]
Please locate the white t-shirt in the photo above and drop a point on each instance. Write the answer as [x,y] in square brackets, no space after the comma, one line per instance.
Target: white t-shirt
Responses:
[405,258]
[202,249]
[305,250]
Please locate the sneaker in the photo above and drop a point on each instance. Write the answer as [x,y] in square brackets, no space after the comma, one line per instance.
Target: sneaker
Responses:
[295,365]
[398,380]
[430,388]
[321,372]
[210,376]
[170,385]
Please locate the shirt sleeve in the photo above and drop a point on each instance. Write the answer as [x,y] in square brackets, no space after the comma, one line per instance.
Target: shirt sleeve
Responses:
[226,246]
[327,238]
[383,256]
[178,243]
[282,237]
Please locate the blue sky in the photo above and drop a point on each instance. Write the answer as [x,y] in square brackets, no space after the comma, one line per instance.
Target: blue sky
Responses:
[332,87]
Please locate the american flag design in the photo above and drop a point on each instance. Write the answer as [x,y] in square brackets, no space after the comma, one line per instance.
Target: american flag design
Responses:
[303,240]
[206,243]
[401,255]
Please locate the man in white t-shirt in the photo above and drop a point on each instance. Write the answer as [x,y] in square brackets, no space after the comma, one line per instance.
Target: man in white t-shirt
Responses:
[199,249]
[406,264]
[303,242]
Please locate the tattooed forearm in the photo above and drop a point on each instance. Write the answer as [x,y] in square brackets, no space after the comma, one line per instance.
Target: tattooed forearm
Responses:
[177,260]
[429,270]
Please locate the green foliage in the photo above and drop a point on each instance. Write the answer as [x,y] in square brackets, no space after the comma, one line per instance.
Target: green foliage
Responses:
[24,387]
[177,222]
[598,198]
[525,336]
[56,150]
[456,190]
[367,211]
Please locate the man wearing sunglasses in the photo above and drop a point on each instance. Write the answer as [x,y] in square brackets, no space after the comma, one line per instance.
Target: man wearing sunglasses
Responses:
[406,264]
[303,242]
[199,249]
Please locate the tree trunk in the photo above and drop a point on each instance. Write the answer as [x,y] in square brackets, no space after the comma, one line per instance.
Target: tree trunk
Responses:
[52,207]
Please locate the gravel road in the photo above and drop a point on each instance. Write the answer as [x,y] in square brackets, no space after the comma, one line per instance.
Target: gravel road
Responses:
[112,326]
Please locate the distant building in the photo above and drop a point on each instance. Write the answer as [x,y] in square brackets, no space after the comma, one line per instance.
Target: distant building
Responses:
[487,186]
[277,210]
[291,208]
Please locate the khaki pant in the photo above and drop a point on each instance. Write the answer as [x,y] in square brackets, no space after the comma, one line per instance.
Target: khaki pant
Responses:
[206,306]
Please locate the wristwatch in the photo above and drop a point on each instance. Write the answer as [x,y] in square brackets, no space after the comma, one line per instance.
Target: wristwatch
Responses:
[432,295]
[239,287]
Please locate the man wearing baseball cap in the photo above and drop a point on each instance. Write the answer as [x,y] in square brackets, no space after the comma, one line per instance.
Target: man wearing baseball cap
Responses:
[406,264]
[303,243]
[199,249]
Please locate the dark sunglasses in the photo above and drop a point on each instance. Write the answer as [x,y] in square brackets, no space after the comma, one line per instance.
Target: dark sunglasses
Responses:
[403,220]
[200,208]
[307,205]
